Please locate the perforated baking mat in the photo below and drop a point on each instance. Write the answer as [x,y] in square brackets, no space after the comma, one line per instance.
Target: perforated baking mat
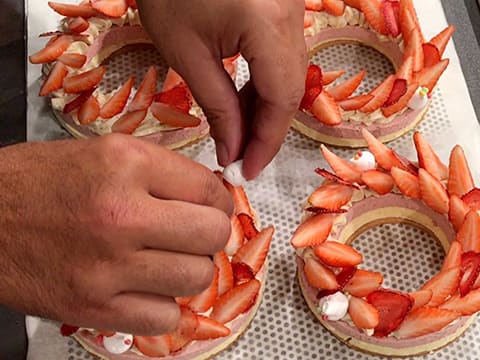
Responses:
[284,328]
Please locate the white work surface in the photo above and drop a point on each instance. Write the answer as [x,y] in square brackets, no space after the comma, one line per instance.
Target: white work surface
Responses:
[284,328]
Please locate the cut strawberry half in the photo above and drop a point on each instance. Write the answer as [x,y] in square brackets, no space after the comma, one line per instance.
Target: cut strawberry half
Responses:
[453,257]
[71,10]
[342,167]
[73,60]
[316,5]
[240,199]
[185,331]
[204,301]
[457,212]
[78,24]
[319,276]
[441,40]
[309,97]
[337,254]
[225,272]
[111,8]
[363,314]
[363,283]
[398,90]
[413,48]
[210,329]
[460,180]
[237,237]
[145,92]
[331,196]
[78,101]
[392,308]
[54,80]
[117,101]
[428,159]
[347,88]
[52,51]
[355,103]
[408,18]
[326,110]
[378,181]
[67,330]
[469,233]
[429,76]
[380,95]
[254,252]
[334,7]
[345,275]
[467,305]
[444,284]
[89,111]
[406,182]
[390,18]
[153,346]
[425,320]
[314,77]
[470,267]
[313,231]
[329,77]
[129,122]
[421,298]
[242,273]
[178,97]
[82,82]
[167,115]
[172,79]
[248,226]
[402,102]
[236,301]
[385,157]
[433,192]
[331,176]
[406,69]
[431,56]
[472,199]
[372,10]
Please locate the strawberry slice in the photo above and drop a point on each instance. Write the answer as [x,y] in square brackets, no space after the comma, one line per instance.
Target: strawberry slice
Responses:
[378,181]
[406,69]
[111,8]
[54,80]
[453,257]
[380,95]
[363,314]
[236,239]
[183,300]
[210,329]
[391,20]
[240,199]
[392,308]
[225,272]
[342,167]
[428,159]
[444,284]
[347,88]
[406,182]
[78,24]
[372,9]
[337,254]
[428,77]
[385,157]
[425,320]
[313,231]
[73,60]
[236,301]
[314,77]
[128,122]
[178,97]
[319,276]
[248,226]
[78,83]
[470,270]
[469,233]
[472,199]
[78,101]
[345,275]
[326,110]
[254,252]
[172,79]
[309,97]
[153,346]
[242,273]
[460,180]
[331,196]
[316,5]
[334,7]
[433,192]
[185,330]
[421,298]
[330,176]
[441,40]
[457,211]
[363,283]
[167,115]
[398,90]
[408,18]
[204,301]
[431,56]
[71,10]
[329,77]
[117,101]
[413,48]
[355,103]
[52,51]
[67,330]
[89,111]
[402,102]
[467,305]
[145,92]
[353,3]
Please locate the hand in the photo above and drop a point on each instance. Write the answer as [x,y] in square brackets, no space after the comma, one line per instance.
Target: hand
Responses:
[104,233]
[195,35]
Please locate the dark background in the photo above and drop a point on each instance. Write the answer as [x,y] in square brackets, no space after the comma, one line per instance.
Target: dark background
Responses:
[465,15]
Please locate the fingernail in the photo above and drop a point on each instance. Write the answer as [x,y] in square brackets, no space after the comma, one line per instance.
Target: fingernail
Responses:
[222,154]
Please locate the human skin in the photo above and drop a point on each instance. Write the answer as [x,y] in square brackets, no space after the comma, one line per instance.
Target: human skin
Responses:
[195,35]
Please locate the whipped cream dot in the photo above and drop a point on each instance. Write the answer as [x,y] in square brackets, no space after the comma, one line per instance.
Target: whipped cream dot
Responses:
[334,307]
[419,99]
[118,343]
[364,160]
[233,173]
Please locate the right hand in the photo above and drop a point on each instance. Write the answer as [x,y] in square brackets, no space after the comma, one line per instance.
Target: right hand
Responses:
[105,233]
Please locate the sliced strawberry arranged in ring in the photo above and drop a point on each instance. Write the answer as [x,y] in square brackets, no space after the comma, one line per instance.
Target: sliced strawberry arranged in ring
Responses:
[210,329]
[111,8]
[52,51]
[469,233]
[314,77]
[399,89]
[313,231]
[319,276]
[242,273]
[337,254]
[248,225]
[390,16]
[325,109]
[178,97]
[71,10]
[341,167]
[363,282]
[254,252]
[329,77]
[470,270]
[363,314]
[472,199]
[347,88]
[444,284]
[331,196]
[330,176]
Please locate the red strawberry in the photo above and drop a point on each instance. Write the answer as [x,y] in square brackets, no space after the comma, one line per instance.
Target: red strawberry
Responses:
[373,13]
[153,346]
[334,7]
[67,330]
[429,76]
[172,79]
[355,103]
[78,24]
[313,231]
[54,80]
[254,252]
[380,95]
[433,192]
[185,331]
[347,88]
[453,257]
[385,157]
[428,159]
[319,276]
[457,211]
[460,180]
[73,60]
[431,56]
[89,111]
[330,76]
[345,275]
[117,101]
[52,51]
[353,3]
[337,254]
[237,236]
[413,48]
[240,199]
[71,10]
[78,83]
[111,8]
[441,40]
[178,97]
[314,77]
[470,270]
[242,273]
[380,182]
[78,101]
[225,272]
[341,167]
[363,314]
[402,102]
[391,20]
[145,92]
[467,305]
[469,233]
[407,183]
[363,283]
[398,90]
[210,329]
[425,320]
[406,69]
[132,4]
[326,110]
[167,115]
[472,199]
[128,122]
[421,298]
[334,178]
[236,301]
[309,97]
[331,196]
[408,18]
[204,301]
[444,284]
[316,5]
[248,226]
